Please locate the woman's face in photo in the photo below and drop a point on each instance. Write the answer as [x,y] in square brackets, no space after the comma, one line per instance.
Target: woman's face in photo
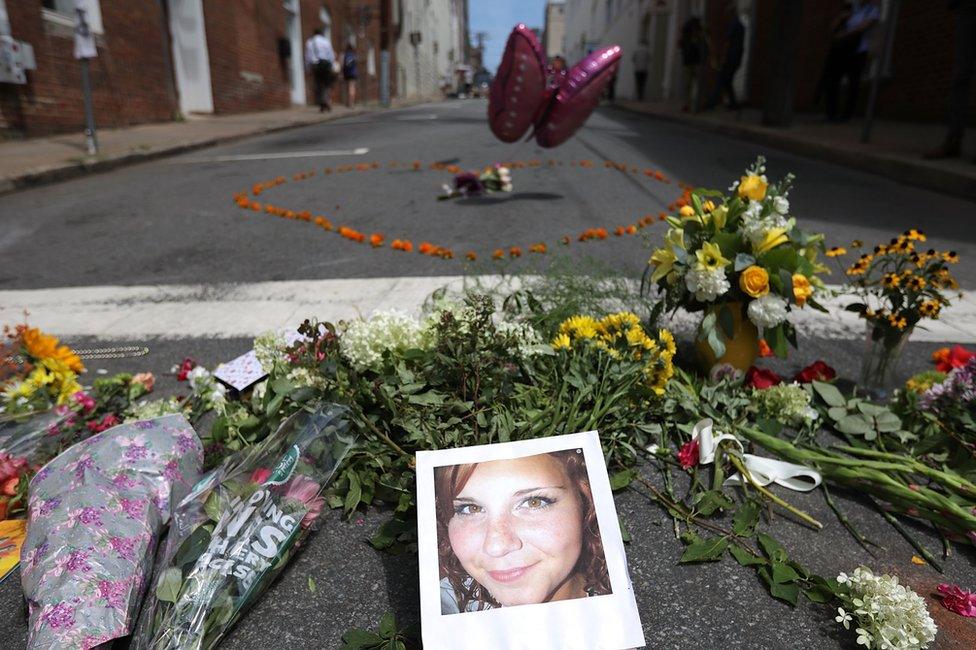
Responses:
[517,529]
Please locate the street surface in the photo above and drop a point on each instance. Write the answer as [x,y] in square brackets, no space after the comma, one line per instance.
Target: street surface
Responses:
[159,255]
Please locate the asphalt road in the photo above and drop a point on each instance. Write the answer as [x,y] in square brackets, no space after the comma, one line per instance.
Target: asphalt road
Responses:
[174,222]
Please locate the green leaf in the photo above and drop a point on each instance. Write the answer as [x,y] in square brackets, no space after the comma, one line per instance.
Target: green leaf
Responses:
[788,592]
[388,626]
[624,533]
[282,386]
[622,479]
[744,557]
[356,639]
[783,573]
[829,394]
[887,422]
[837,412]
[354,494]
[169,584]
[745,519]
[818,595]
[772,548]
[429,398]
[711,500]
[856,425]
[708,550]
[726,322]
[311,585]
[193,546]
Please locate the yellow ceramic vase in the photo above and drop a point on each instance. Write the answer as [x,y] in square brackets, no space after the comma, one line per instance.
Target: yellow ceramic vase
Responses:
[740,351]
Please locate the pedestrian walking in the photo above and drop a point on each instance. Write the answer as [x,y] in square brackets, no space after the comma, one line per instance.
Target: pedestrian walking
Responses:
[735,43]
[350,73]
[694,50]
[962,75]
[640,59]
[838,51]
[854,43]
[320,59]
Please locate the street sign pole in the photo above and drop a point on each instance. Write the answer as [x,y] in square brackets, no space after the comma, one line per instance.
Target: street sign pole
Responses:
[91,138]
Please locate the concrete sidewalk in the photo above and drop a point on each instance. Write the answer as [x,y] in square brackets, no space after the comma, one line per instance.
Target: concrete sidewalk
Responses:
[42,160]
[895,150]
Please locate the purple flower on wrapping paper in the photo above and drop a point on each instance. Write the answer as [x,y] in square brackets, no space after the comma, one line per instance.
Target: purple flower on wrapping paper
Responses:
[135,452]
[185,443]
[61,616]
[78,561]
[89,516]
[124,481]
[86,462]
[172,471]
[48,506]
[144,425]
[114,592]
[133,508]
[43,474]
[124,546]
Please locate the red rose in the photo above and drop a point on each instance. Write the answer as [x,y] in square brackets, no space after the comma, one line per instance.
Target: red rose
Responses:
[184,369]
[762,378]
[946,359]
[816,371]
[10,486]
[260,475]
[688,454]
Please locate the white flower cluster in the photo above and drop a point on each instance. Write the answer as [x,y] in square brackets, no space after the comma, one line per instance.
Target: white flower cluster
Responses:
[788,403]
[505,176]
[270,348]
[365,341]
[528,337]
[767,311]
[885,614]
[211,392]
[706,284]
[150,409]
[303,377]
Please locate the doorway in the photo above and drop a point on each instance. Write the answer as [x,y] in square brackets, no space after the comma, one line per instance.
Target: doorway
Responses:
[191,61]
[296,64]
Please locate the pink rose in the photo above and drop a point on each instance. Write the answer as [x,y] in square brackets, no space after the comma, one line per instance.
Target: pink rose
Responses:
[146,379]
[306,491]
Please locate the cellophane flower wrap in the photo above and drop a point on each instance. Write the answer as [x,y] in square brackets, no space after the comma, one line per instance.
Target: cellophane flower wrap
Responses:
[95,515]
[235,532]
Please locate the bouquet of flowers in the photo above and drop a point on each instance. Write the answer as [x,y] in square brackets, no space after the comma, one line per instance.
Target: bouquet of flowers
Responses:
[96,512]
[899,285]
[494,178]
[36,371]
[739,257]
[235,532]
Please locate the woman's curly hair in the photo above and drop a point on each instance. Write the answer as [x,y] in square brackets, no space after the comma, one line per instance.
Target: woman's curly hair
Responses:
[591,565]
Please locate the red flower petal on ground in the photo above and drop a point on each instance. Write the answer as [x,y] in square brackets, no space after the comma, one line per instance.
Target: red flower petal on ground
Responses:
[761,378]
[946,359]
[958,600]
[816,371]
[688,454]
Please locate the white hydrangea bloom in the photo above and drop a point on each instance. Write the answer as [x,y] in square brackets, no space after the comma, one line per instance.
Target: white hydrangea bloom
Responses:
[211,392]
[303,377]
[365,341]
[526,335]
[269,347]
[706,284]
[768,311]
[887,614]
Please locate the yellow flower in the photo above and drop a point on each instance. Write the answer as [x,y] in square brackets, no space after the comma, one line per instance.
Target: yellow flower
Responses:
[686,211]
[663,260]
[930,309]
[891,280]
[708,206]
[667,338]
[753,187]
[675,238]
[773,238]
[916,283]
[561,342]
[710,256]
[38,344]
[718,216]
[836,251]
[579,327]
[754,281]
[619,321]
[857,243]
[951,257]
[801,289]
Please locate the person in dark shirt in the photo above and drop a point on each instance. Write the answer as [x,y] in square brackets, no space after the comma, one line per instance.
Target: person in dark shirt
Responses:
[350,73]
[694,50]
[735,41]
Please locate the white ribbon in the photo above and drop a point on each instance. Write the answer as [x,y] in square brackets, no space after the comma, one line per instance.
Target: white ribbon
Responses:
[763,470]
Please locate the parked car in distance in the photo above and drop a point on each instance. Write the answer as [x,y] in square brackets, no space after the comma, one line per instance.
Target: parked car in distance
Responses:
[481,83]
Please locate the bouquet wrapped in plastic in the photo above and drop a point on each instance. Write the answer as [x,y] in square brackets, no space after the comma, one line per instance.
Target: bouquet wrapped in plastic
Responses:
[95,514]
[235,532]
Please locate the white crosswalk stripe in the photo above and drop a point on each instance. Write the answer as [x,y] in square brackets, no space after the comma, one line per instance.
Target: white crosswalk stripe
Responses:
[245,310]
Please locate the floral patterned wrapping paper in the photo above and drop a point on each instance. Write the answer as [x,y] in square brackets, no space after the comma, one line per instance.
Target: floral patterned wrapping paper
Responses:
[95,516]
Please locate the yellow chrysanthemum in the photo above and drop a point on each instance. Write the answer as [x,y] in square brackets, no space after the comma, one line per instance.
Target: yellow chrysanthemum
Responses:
[836,251]
[667,338]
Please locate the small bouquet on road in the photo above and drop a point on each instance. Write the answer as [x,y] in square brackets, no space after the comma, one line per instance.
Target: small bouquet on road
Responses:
[235,532]
[494,178]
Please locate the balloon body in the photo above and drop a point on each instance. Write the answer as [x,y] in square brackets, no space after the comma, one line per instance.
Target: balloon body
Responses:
[577,96]
[518,91]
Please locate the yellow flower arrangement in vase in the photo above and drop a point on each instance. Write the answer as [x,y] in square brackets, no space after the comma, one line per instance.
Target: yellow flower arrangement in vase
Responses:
[742,260]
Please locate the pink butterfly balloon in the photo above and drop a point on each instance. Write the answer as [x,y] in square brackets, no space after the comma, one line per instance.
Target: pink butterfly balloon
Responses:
[526,93]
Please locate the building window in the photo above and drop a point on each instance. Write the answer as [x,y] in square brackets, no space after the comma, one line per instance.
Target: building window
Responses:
[62,12]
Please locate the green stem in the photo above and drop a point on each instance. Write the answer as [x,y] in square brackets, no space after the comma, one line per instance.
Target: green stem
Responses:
[924,552]
[842,518]
[739,465]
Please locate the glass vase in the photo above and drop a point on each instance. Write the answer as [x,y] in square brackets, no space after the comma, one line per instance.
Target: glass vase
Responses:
[879,368]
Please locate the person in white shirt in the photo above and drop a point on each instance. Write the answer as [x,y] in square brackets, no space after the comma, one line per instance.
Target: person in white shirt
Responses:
[319,59]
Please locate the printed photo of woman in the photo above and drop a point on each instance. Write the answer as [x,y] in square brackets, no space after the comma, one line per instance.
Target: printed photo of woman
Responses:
[517,532]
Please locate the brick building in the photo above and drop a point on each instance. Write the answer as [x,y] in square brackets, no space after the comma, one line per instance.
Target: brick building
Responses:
[159,59]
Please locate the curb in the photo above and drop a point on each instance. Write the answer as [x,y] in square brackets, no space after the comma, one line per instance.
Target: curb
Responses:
[66,171]
[889,166]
